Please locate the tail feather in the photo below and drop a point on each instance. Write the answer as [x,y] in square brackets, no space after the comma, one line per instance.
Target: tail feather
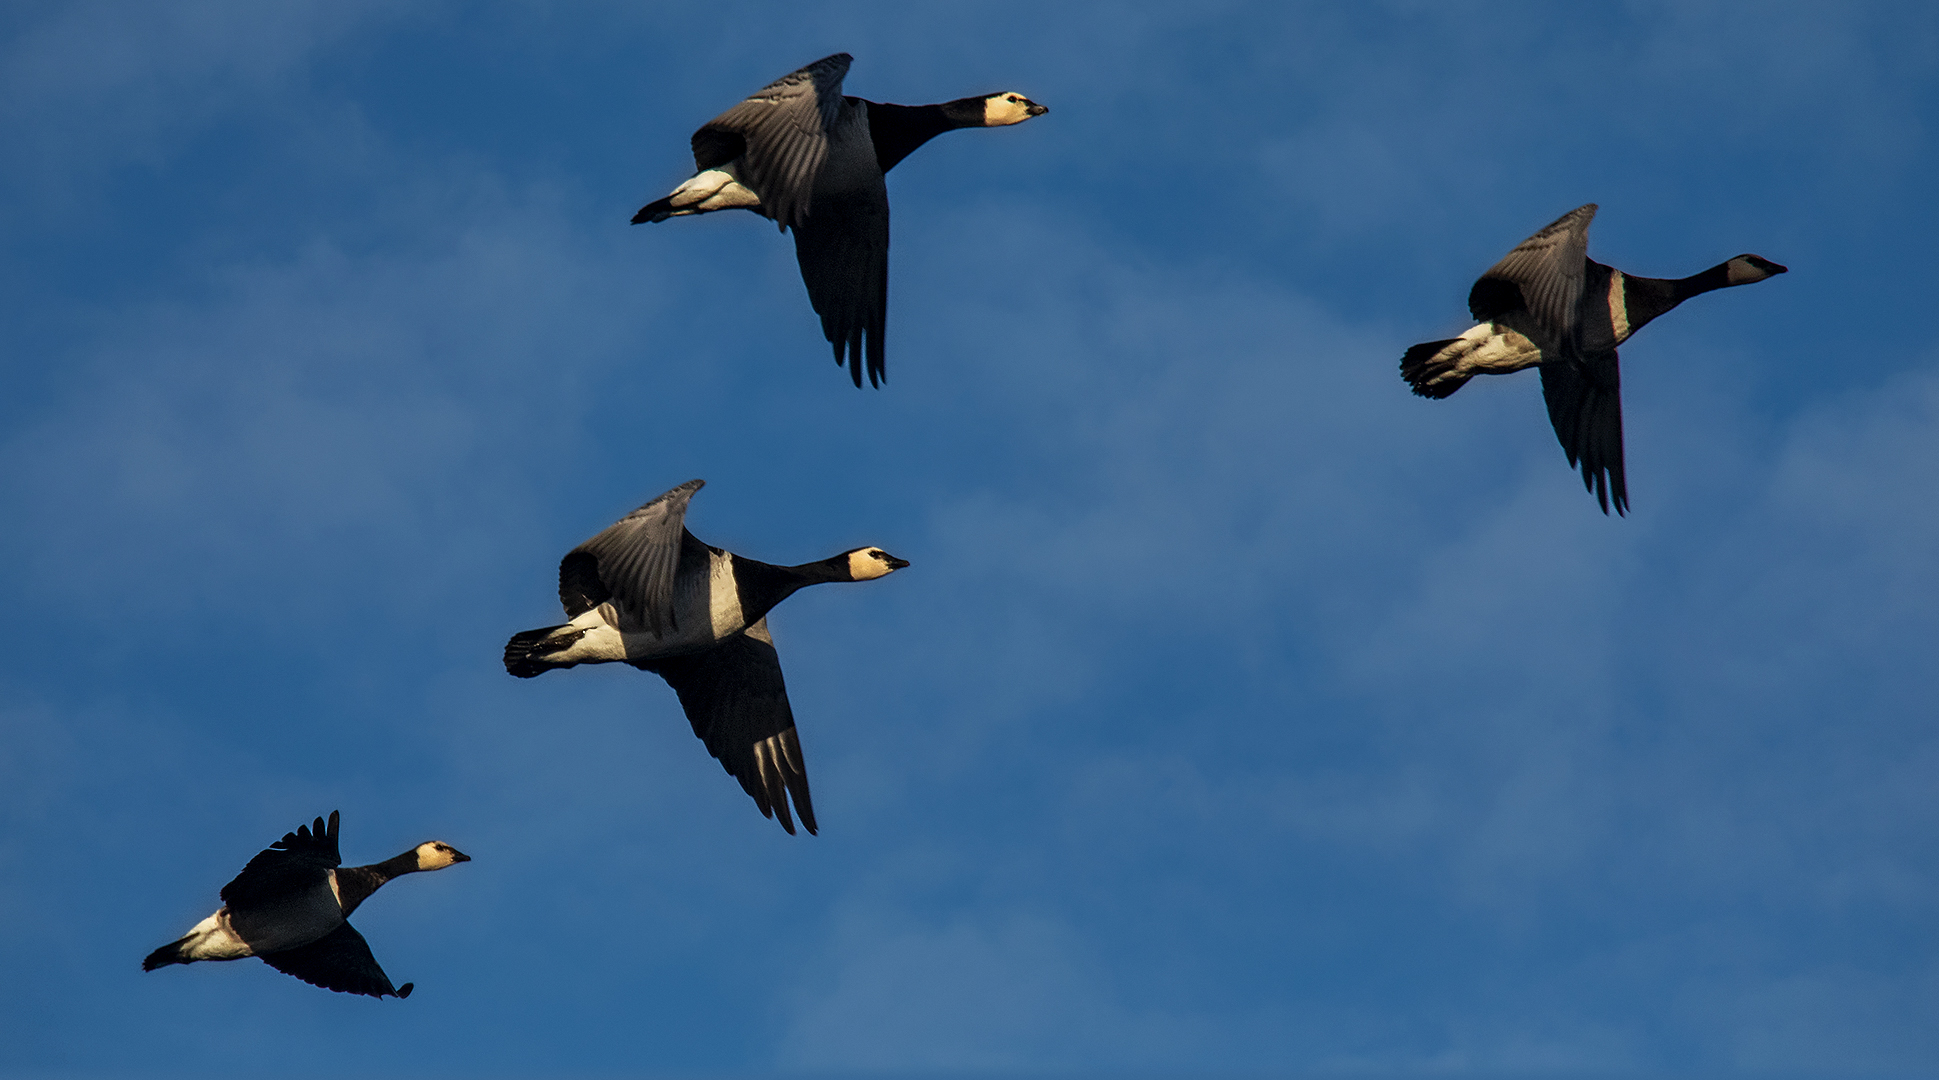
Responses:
[1431,368]
[518,652]
[170,953]
[657,210]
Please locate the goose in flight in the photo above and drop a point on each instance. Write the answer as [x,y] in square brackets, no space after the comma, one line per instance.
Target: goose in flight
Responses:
[647,593]
[1548,304]
[291,906]
[812,160]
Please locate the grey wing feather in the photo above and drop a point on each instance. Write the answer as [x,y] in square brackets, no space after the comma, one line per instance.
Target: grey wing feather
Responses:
[1585,404]
[784,129]
[290,865]
[737,702]
[340,961]
[1545,272]
[633,561]
[844,255]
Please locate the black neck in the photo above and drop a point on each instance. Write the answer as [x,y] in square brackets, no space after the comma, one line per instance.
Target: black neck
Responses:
[1646,298]
[763,585]
[897,130]
[356,883]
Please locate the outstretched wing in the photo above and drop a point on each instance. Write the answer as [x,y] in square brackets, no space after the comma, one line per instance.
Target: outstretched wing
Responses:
[633,561]
[340,961]
[780,133]
[1585,403]
[289,865]
[1543,276]
[844,255]
[734,696]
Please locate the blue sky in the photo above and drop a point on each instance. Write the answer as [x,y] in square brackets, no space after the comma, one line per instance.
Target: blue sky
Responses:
[1240,711]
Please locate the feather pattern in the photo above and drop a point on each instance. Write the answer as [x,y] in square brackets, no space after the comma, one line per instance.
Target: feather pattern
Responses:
[783,134]
[340,960]
[1543,275]
[843,251]
[1584,397]
[737,701]
[296,862]
[633,561]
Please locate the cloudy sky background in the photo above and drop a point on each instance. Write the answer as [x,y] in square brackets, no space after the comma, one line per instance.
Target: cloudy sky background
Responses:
[1239,712]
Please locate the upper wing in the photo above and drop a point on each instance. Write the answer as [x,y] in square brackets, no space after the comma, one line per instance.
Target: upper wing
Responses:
[843,250]
[734,697]
[339,960]
[1542,275]
[289,865]
[634,561]
[1585,404]
[780,133]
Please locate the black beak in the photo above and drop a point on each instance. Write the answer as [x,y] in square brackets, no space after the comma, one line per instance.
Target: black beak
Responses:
[459,856]
[897,564]
[1036,109]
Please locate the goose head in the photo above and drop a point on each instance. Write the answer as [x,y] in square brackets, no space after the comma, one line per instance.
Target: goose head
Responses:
[1748,269]
[1006,108]
[866,564]
[436,855]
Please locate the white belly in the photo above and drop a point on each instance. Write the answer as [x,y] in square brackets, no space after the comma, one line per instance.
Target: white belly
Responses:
[706,608]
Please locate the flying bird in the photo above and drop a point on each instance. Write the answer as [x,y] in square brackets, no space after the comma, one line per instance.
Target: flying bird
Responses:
[1548,304]
[645,592]
[812,160]
[291,906]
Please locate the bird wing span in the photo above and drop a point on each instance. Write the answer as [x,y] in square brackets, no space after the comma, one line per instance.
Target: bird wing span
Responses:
[1585,404]
[289,865]
[844,255]
[340,961]
[783,135]
[734,696]
[1543,274]
[633,561]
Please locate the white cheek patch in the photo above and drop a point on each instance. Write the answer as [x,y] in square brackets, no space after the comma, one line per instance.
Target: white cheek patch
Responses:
[863,566]
[1000,111]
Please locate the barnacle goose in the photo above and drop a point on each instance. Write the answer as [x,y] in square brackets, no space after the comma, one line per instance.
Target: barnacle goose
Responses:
[647,593]
[291,906]
[799,152]
[1548,304]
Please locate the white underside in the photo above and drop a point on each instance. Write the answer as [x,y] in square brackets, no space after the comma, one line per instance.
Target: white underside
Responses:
[710,190]
[214,939]
[707,609]
[231,935]
[1488,349]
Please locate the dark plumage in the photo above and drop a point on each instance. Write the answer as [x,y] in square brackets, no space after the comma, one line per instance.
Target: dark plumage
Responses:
[813,160]
[291,905]
[1548,304]
[646,592]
